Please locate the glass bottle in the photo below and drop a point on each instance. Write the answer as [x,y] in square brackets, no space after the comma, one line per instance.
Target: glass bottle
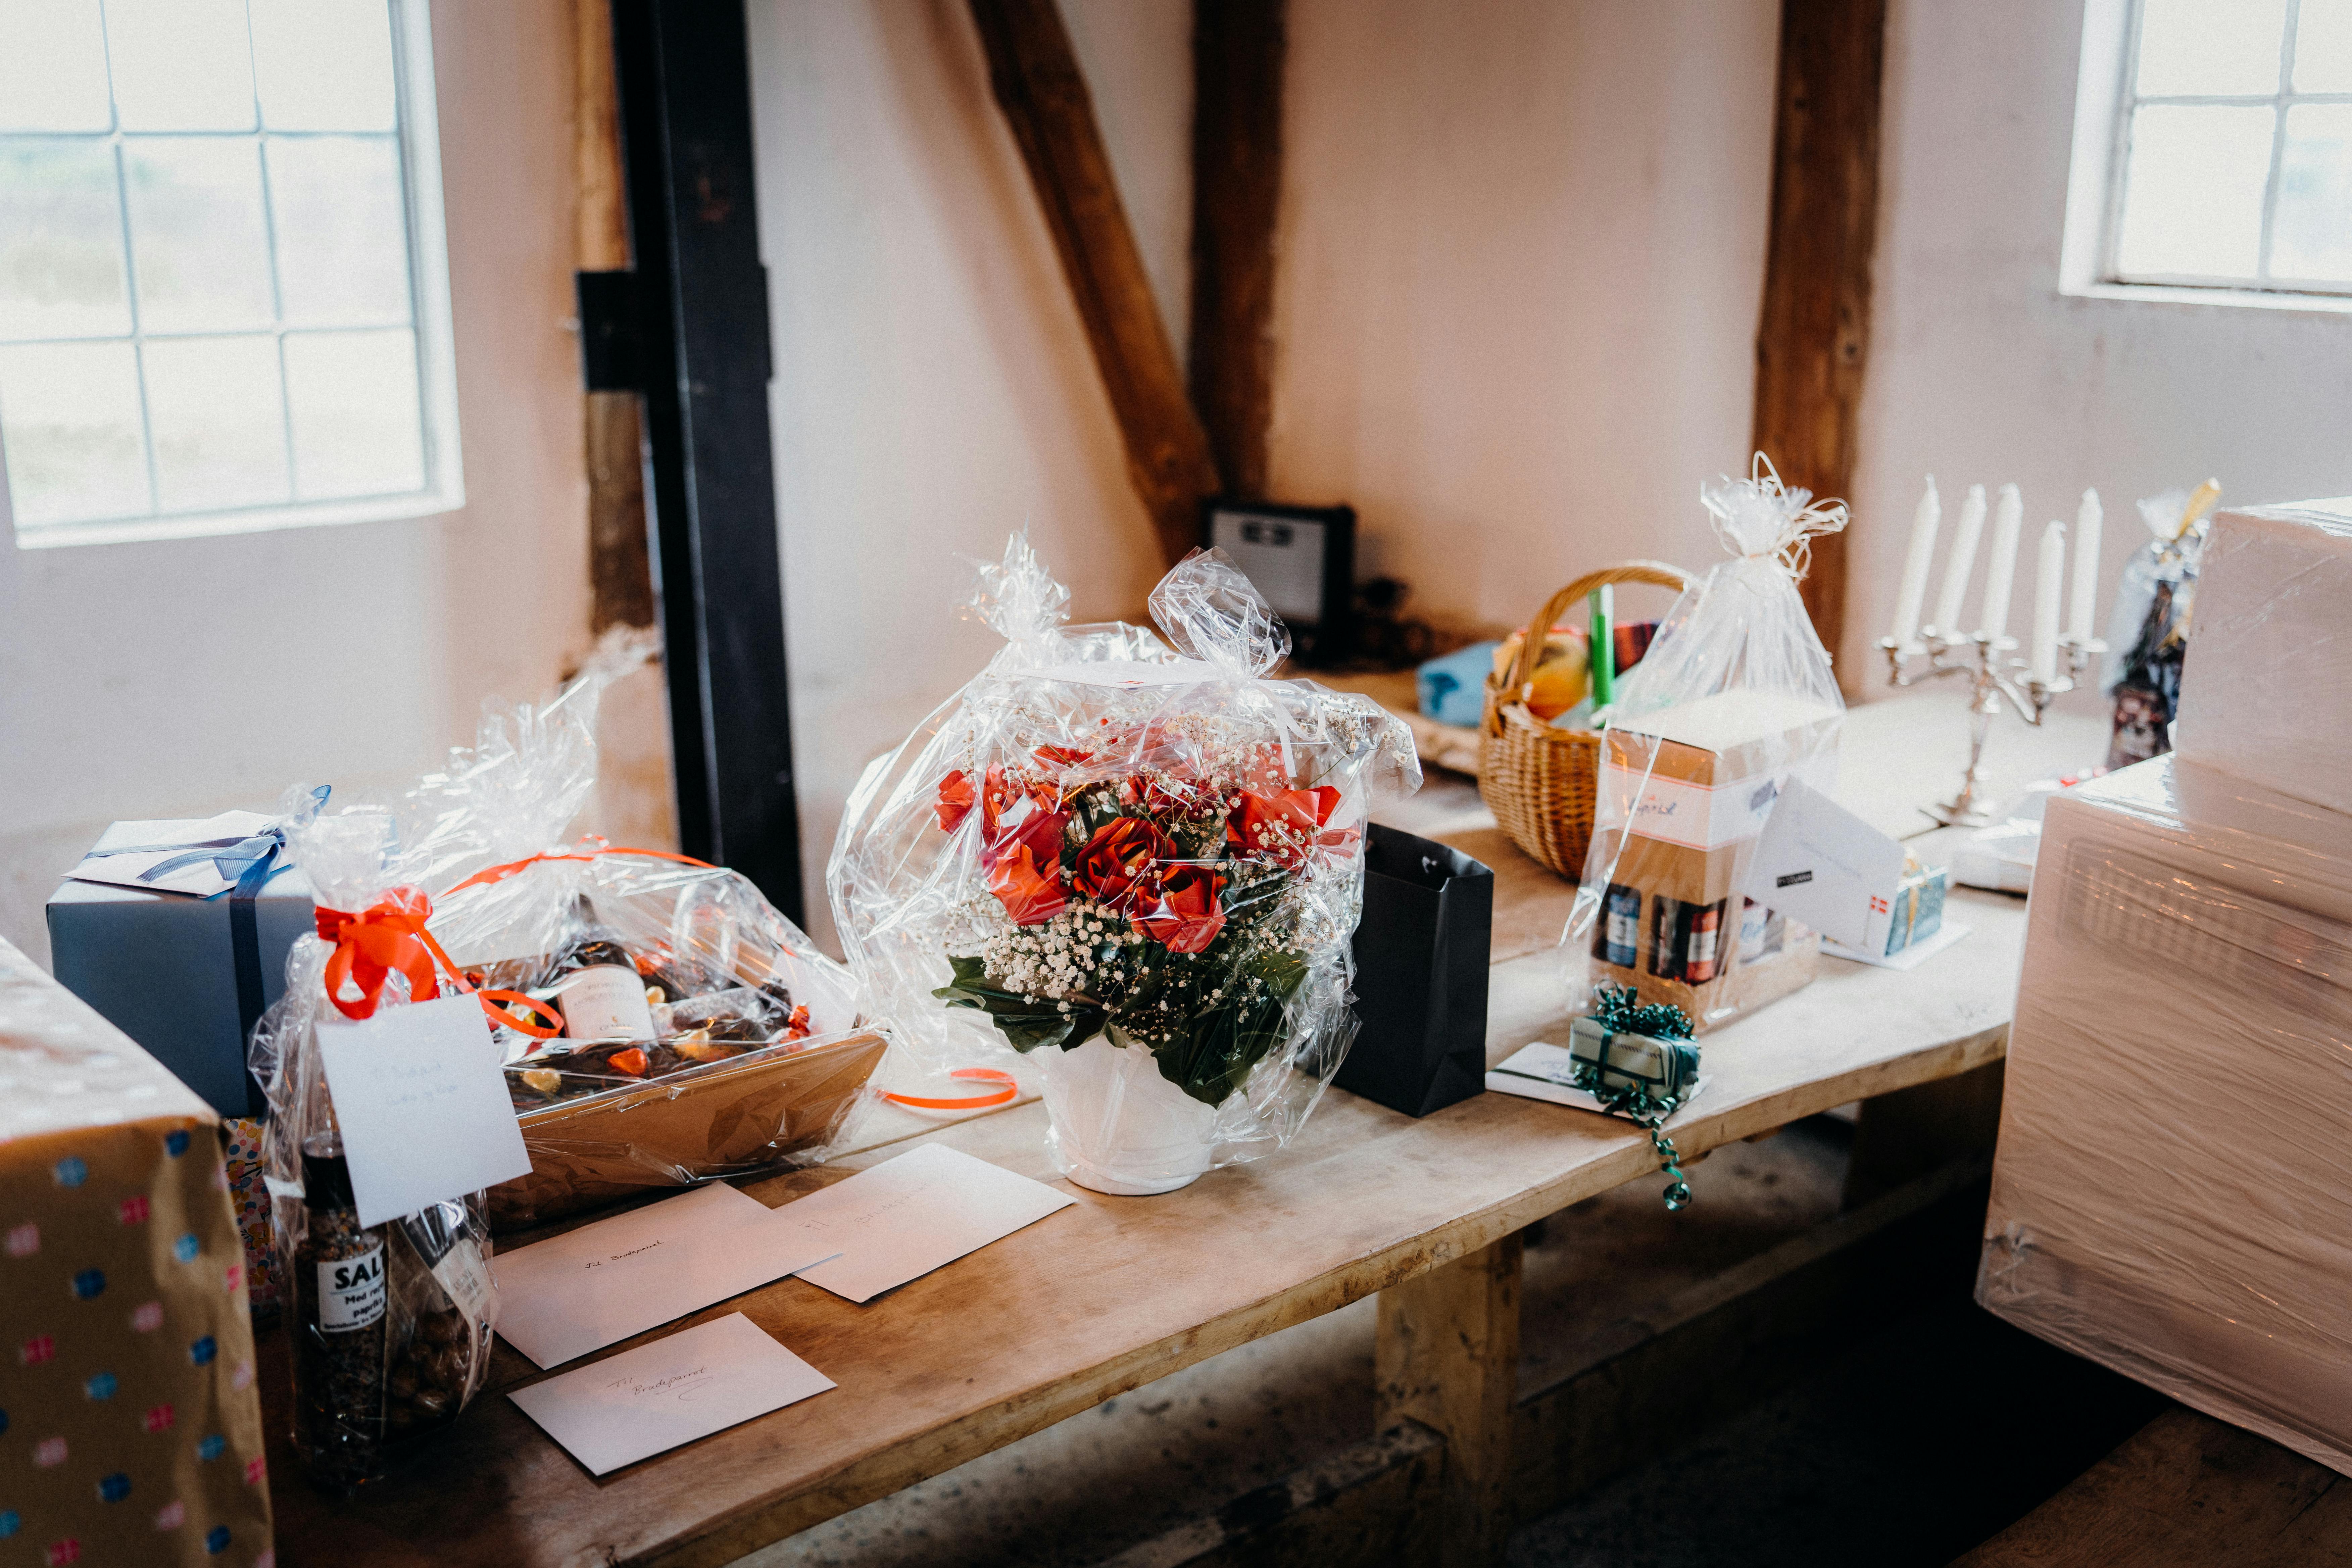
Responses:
[339,1324]
[596,984]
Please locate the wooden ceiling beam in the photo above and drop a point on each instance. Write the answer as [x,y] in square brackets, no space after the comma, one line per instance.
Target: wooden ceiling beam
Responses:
[1035,74]
[1814,332]
[1238,47]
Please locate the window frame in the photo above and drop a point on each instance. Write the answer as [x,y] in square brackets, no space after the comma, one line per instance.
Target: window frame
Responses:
[2105,97]
[419,142]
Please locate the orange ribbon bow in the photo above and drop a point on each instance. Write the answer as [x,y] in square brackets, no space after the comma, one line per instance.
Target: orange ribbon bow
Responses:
[388,937]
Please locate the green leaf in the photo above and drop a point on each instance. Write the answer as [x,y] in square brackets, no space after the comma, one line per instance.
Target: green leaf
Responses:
[1209,1060]
[1026,1023]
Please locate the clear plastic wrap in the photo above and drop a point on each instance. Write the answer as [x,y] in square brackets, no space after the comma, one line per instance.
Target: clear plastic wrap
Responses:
[2266,690]
[1145,855]
[701,1034]
[2173,1195]
[1734,696]
[661,1023]
[391,1324]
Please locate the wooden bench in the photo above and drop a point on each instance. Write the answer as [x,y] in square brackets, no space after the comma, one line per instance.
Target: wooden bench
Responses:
[1116,1292]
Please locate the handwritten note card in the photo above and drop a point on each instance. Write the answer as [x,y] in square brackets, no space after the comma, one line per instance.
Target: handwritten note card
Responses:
[590,1287]
[421,1104]
[907,1216]
[648,1400]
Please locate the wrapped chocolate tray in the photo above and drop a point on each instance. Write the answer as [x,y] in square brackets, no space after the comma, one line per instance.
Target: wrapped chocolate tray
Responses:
[665,1025]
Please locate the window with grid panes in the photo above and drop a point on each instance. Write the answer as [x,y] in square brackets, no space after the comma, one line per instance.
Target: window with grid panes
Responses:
[223,295]
[2231,161]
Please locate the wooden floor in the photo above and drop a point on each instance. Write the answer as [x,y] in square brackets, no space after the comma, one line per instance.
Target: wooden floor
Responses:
[2188,1492]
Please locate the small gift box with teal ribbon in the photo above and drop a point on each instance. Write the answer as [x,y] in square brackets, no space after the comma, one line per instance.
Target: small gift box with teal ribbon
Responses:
[176,932]
[1639,1060]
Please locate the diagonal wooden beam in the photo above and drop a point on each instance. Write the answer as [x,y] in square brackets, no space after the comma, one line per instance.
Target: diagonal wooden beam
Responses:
[1035,77]
[1814,332]
[1237,63]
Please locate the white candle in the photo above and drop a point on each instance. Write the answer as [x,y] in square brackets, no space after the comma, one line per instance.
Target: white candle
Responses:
[2086,567]
[1914,567]
[2047,583]
[1962,564]
[2008,516]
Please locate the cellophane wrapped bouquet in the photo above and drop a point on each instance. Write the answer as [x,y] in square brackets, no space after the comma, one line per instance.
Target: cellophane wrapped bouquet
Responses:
[1140,858]
[1735,697]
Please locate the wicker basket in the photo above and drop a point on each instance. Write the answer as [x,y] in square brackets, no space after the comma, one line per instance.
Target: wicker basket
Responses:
[1538,781]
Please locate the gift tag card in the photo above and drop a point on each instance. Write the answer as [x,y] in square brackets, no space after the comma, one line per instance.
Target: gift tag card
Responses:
[1822,866]
[688,1386]
[423,1106]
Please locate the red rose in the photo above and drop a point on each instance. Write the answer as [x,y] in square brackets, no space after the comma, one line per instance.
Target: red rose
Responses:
[1185,915]
[955,800]
[1114,866]
[1027,824]
[1030,895]
[1281,827]
[1062,756]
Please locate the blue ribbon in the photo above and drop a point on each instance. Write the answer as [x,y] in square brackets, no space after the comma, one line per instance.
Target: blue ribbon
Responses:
[248,864]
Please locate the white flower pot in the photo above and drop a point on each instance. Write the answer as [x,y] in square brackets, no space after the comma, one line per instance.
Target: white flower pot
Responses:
[1118,1126]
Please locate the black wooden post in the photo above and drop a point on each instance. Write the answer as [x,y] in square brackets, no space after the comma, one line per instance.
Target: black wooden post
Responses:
[701,308]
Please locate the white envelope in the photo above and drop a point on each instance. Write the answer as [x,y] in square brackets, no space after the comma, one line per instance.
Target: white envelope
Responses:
[200,878]
[422,1105]
[909,1215]
[648,1400]
[1822,866]
[588,1288]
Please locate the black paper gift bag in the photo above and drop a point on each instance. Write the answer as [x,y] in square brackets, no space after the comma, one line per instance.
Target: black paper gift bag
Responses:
[1421,976]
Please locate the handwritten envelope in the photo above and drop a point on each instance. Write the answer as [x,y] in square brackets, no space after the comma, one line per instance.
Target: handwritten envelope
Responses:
[646,1401]
[588,1288]
[423,1106]
[907,1216]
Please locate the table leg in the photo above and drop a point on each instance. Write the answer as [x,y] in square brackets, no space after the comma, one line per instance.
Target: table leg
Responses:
[1447,1356]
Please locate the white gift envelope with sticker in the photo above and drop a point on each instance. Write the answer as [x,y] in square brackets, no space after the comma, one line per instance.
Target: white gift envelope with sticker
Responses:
[1821,865]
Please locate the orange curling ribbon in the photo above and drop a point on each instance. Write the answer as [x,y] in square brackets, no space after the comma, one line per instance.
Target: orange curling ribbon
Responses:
[587,850]
[966,1102]
[388,937]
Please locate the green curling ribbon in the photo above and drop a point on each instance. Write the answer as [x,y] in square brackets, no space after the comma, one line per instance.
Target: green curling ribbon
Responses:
[1618,1009]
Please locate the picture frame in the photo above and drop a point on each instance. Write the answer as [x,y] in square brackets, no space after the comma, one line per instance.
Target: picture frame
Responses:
[1302,558]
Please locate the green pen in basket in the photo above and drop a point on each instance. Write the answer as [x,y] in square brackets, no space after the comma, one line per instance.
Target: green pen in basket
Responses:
[1639,1060]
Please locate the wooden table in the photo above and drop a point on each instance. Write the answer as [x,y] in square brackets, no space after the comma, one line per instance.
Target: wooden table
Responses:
[1116,1292]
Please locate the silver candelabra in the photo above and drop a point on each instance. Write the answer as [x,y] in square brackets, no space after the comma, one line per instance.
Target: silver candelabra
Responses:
[1996,677]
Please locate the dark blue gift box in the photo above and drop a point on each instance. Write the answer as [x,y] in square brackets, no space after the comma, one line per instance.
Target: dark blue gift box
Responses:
[163,968]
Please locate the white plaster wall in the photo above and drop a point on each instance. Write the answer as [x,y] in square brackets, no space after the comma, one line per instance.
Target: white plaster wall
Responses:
[1522,248]
[933,387]
[184,678]
[1981,371]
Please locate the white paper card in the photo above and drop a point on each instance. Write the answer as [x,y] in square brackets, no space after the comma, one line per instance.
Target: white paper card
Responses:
[907,1216]
[1821,865]
[646,1401]
[1911,957]
[587,1287]
[423,1106]
[200,879]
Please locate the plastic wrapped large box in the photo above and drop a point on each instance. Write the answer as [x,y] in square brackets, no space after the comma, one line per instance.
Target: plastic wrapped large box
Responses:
[2172,1196]
[2266,690]
[133,1429]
